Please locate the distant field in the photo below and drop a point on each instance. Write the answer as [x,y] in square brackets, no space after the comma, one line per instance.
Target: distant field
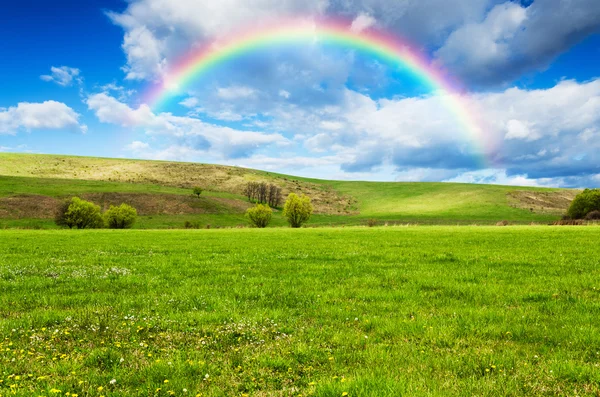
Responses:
[31,186]
[435,311]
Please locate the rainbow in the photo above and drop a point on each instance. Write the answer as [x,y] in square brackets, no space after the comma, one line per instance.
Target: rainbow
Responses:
[335,32]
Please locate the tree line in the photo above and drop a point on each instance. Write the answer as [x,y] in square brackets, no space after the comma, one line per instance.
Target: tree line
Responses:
[263,193]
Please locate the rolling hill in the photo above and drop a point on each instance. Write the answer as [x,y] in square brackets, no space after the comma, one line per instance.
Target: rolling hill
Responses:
[31,187]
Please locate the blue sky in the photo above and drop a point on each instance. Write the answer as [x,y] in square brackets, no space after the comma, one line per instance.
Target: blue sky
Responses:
[73,75]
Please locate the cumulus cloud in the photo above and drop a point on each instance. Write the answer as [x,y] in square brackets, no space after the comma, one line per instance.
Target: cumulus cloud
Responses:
[48,115]
[157,31]
[234,92]
[63,76]
[513,39]
[362,22]
[137,146]
[229,142]
[548,137]
[544,133]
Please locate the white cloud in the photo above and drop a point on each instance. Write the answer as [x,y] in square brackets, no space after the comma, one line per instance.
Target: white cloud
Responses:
[284,94]
[542,133]
[63,76]
[137,146]
[158,31]
[513,38]
[516,129]
[48,115]
[235,92]
[230,143]
[362,22]
[145,54]
[190,102]
[497,177]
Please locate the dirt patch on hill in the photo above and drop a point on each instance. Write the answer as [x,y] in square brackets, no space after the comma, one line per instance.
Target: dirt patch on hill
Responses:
[28,206]
[553,202]
[169,204]
[31,206]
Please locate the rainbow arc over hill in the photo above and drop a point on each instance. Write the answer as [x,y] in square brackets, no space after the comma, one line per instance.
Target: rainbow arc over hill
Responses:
[337,32]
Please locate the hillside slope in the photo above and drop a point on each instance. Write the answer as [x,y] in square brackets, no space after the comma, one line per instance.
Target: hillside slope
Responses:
[31,186]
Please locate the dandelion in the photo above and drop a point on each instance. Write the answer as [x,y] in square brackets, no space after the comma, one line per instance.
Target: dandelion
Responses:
[166,381]
[185,390]
[344,394]
[100,388]
[55,391]
[113,381]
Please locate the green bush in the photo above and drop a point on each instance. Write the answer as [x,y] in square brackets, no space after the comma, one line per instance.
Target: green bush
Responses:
[372,222]
[191,225]
[198,191]
[121,217]
[60,218]
[297,210]
[593,216]
[260,216]
[79,214]
[584,203]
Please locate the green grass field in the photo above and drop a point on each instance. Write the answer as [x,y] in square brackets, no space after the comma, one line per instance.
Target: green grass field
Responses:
[32,185]
[434,311]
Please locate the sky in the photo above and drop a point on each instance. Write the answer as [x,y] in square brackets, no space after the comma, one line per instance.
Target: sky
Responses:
[75,78]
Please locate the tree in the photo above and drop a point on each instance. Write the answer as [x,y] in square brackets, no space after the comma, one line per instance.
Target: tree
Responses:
[60,218]
[585,202]
[297,210]
[260,216]
[263,193]
[198,191]
[121,217]
[80,214]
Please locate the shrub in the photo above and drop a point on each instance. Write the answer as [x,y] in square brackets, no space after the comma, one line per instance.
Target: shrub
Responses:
[191,225]
[80,214]
[372,222]
[297,210]
[260,216]
[502,223]
[198,191]
[593,216]
[584,203]
[60,218]
[121,217]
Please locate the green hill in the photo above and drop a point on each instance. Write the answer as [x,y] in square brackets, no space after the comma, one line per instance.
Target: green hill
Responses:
[31,187]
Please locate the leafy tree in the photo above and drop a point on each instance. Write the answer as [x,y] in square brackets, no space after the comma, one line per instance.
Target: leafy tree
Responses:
[260,216]
[584,203]
[297,210]
[60,218]
[198,191]
[80,214]
[121,217]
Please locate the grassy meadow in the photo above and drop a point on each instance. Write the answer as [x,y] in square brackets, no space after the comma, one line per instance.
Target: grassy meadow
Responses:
[387,311]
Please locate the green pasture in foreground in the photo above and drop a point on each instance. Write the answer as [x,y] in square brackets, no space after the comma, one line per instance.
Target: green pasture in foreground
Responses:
[391,311]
